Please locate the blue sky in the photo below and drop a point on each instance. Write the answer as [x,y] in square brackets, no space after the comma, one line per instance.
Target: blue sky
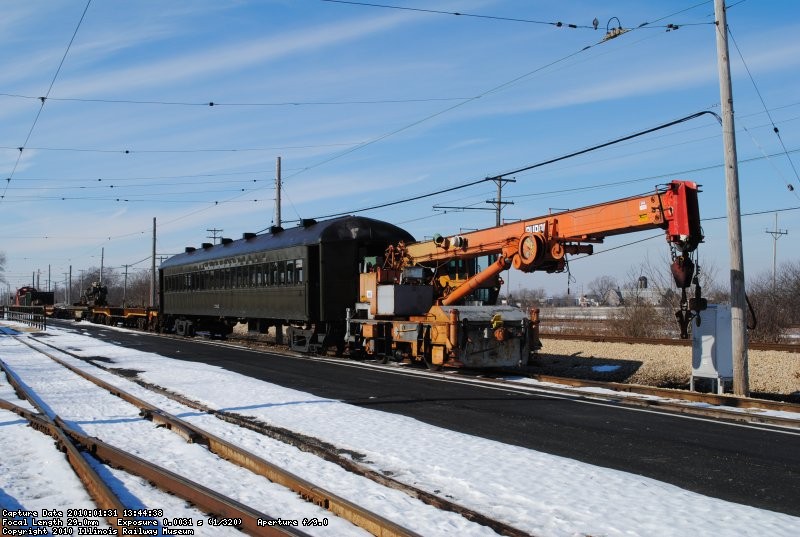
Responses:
[369,105]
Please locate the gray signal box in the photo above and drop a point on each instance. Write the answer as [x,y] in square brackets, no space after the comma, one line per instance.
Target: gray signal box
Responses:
[712,354]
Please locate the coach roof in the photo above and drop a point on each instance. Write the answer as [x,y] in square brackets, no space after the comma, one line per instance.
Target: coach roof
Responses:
[345,228]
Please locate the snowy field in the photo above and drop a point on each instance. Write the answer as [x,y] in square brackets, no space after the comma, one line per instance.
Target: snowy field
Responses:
[542,494]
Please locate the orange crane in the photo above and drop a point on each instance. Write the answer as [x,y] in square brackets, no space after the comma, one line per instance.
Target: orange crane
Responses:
[413,305]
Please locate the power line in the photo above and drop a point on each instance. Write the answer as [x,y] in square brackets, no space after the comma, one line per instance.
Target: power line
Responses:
[606,144]
[243,104]
[660,235]
[279,148]
[460,14]
[207,150]
[44,99]
[495,89]
[529,167]
[642,179]
[557,24]
[764,104]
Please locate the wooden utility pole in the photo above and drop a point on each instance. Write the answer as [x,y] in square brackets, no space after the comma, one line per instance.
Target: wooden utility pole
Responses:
[125,287]
[278,193]
[153,269]
[741,383]
[498,203]
[776,234]
[215,234]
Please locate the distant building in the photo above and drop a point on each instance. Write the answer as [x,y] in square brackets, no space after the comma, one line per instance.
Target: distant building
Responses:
[652,297]
[613,298]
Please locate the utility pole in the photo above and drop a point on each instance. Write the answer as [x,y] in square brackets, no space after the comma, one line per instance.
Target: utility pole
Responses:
[153,269]
[776,234]
[102,260]
[278,192]
[498,203]
[125,286]
[741,382]
[214,235]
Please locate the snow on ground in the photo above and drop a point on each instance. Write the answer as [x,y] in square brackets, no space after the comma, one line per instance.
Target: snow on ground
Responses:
[543,494]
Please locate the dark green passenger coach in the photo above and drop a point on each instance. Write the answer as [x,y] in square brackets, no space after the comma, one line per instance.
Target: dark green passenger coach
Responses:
[306,276]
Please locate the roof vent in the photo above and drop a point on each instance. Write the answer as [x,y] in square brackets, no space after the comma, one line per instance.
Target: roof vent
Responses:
[207,245]
[248,236]
[226,240]
[190,249]
[305,222]
[275,229]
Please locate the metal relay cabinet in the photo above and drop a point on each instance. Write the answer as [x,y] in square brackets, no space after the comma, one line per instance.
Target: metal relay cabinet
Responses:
[712,355]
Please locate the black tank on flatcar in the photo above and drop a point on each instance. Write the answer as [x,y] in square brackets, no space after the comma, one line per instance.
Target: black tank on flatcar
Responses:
[301,276]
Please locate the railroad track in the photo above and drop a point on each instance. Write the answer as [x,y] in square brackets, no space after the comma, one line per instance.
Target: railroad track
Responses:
[725,405]
[193,492]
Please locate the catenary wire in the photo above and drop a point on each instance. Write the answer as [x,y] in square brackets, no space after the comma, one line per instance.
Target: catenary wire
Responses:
[242,104]
[764,104]
[44,99]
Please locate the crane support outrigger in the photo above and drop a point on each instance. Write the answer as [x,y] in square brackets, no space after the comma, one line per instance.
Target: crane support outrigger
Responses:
[414,302]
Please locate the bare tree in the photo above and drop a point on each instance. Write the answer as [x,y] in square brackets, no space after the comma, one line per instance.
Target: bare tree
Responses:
[601,287]
[138,289]
[775,308]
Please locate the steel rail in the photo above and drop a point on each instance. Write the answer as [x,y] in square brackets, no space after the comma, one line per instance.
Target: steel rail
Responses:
[341,507]
[319,449]
[98,490]
[723,405]
[722,400]
[669,393]
[253,522]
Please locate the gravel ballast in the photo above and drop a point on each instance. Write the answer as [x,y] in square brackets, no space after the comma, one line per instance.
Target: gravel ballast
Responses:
[771,372]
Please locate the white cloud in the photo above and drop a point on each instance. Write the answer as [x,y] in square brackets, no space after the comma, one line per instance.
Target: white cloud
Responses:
[228,58]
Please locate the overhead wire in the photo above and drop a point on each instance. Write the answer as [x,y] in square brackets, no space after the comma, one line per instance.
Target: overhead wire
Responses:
[315,146]
[44,99]
[490,91]
[496,88]
[557,24]
[525,168]
[764,105]
[612,142]
[205,150]
[243,104]
[661,235]
[642,179]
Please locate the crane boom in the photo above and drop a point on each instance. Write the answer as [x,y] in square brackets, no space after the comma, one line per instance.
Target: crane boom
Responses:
[411,306]
[540,242]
